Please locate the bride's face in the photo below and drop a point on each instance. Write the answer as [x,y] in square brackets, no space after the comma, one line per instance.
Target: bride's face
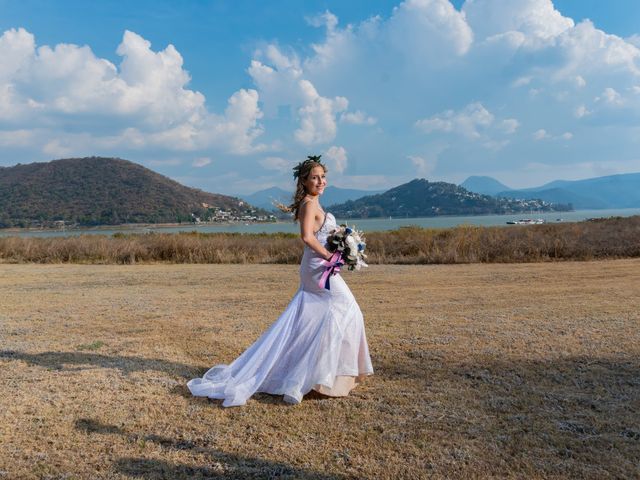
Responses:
[314,185]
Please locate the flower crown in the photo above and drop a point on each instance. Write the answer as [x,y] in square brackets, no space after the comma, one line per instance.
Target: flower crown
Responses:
[310,158]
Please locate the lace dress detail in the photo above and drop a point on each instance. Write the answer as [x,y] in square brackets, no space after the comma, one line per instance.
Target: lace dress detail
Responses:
[317,343]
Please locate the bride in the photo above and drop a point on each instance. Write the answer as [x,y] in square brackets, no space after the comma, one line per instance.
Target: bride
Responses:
[318,342]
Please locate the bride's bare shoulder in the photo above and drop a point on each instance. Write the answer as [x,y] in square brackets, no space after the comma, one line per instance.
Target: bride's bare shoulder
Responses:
[309,206]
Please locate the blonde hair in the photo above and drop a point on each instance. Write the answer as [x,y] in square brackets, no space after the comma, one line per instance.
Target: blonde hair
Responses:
[301,172]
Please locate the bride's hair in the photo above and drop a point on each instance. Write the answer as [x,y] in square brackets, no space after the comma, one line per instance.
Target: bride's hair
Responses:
[301,172]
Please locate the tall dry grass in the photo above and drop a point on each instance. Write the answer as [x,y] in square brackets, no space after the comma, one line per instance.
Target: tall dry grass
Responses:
[602,239]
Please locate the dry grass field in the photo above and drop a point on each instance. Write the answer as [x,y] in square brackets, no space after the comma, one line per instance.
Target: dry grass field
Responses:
[482,370]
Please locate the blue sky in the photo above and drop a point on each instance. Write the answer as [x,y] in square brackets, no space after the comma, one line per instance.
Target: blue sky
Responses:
[228,95]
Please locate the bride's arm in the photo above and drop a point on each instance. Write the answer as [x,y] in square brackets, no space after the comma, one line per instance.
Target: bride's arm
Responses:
[307,215]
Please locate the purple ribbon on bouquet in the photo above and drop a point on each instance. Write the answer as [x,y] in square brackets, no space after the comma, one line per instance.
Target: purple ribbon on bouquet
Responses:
[331,267]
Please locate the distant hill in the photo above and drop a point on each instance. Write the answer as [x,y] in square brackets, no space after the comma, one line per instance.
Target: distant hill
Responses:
[421,198]
[99,191]
[613,191]
[264,198]
[556,195]
[484,185]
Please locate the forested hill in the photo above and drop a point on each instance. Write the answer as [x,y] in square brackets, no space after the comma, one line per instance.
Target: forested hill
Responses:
[421,198]
[96,190]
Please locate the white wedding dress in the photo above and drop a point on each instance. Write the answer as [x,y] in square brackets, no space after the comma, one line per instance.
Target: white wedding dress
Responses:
[318,343]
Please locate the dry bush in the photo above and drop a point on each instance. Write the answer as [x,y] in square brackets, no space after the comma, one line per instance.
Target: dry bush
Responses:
[607,238]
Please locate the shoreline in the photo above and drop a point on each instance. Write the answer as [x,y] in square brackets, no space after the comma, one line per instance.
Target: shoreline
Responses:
[130,226]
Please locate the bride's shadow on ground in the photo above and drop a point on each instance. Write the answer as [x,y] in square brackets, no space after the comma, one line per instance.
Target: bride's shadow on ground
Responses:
[227,465]
[70,361]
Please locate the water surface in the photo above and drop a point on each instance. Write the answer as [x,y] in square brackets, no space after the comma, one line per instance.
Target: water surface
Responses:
[367,225]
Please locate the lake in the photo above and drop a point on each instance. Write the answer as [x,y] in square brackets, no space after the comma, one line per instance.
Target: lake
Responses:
[366,225]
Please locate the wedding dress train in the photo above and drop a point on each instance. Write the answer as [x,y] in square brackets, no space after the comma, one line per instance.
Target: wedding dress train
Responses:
[317,343]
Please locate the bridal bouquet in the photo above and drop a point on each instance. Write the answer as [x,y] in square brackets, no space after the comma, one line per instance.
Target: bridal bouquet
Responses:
[350,243]
[347,245]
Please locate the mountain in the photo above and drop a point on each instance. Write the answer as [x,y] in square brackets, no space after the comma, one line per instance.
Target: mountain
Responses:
[421,198]
[95,190]
[613,191]
[484,185]
[264,198]
[555,195]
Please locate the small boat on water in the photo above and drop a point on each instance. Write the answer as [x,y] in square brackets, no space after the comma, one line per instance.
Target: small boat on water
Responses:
[526,221]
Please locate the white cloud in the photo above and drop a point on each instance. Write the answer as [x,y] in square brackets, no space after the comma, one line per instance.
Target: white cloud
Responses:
[537,20]
[510,125]
[540,134]
[337,157]
[357,118]
[201,162]
[466,122]
[142,103]
[521,81]
[16,138]
[422,165]
[275,163]
[283,84]
[429,30]
[474,122]
[581,111]
[318,116]
[327,20]
[611,96]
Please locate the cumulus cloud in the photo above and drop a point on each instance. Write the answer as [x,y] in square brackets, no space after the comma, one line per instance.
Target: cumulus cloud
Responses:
[429,29]
[466,122]
[474,122]
[318,116]
[536,20]
[357,118]
[142,103]
[283,83]
[337,157]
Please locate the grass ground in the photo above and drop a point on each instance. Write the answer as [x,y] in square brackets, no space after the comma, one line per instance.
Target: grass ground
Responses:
[483,370]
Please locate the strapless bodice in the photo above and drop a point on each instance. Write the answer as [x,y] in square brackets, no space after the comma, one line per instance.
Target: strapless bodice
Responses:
[327,227]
